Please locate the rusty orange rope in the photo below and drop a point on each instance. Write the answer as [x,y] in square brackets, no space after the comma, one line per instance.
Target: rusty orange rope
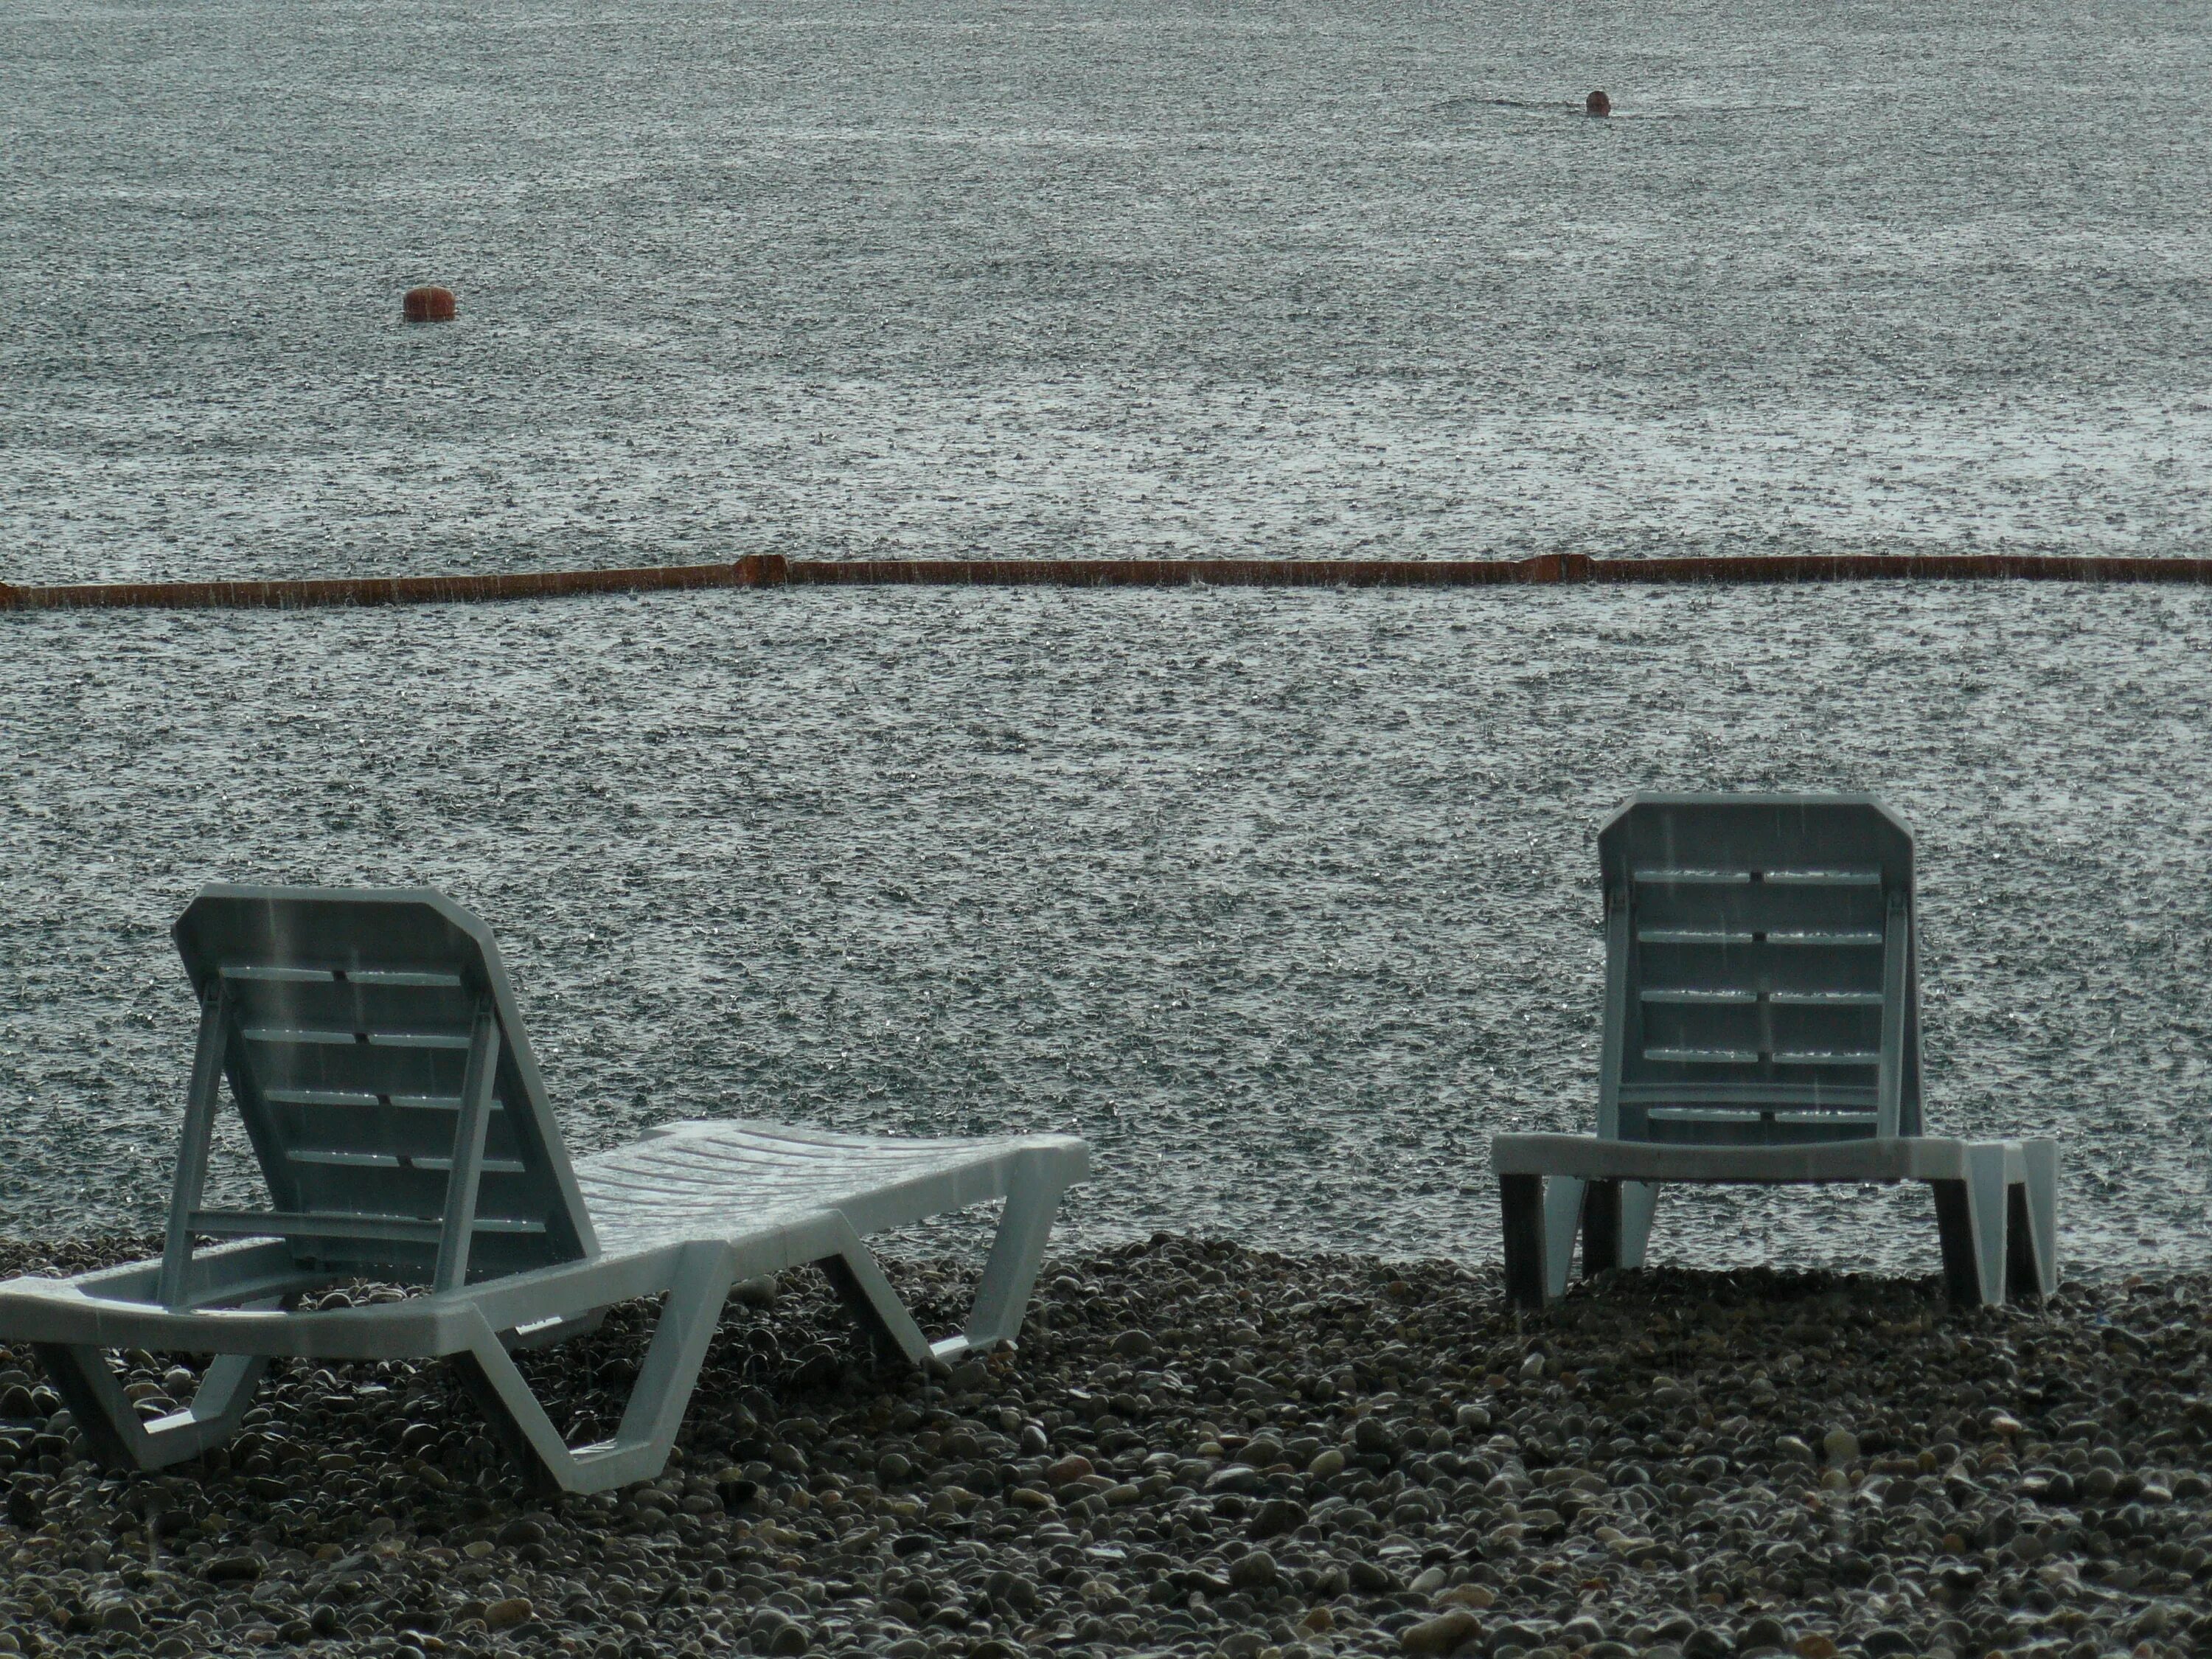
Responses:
[774,570]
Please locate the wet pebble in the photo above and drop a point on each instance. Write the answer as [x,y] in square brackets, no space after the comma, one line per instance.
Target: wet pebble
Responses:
[1321,1456]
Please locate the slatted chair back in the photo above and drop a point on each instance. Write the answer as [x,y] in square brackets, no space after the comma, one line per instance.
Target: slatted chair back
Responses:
[372,1046]
[1761,976]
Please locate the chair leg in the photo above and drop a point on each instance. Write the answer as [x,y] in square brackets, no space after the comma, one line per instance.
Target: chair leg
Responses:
[1954,1230]
[1563,1216]
[868,1295]
[1520,1198]
[1970,1220]
[1638,1198]
[1002,1297]
[2031,1222]
[1601,1228]
[1986,1173]
[2041,1158]
[1009,1273]
[639,1450]
[119,1441]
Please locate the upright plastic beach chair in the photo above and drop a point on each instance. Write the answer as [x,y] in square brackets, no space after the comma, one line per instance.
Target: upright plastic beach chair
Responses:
[371,1045]
[1762,1024]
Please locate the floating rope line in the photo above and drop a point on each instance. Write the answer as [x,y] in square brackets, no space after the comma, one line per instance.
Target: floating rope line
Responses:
[774,570]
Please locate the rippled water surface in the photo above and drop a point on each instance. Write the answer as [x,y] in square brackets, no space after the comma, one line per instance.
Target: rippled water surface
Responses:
[1127,278]
[1286,900]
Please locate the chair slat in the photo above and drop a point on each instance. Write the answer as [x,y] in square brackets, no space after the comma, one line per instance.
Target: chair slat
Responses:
[433,1163]
[341,1225]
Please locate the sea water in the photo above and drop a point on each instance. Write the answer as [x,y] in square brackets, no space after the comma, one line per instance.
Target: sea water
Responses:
[1285,900]
[892,277]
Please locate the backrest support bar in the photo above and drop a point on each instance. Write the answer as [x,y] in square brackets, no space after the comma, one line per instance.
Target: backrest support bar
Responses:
[202,1099]
[466,1174]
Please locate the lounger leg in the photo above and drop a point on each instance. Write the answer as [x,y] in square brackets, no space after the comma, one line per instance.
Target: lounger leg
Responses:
[2042,1159]
[696,1291]
[1970,1216]
[1521,1197]
[1986,1173]
[1563,1216]
[1009,1273]
[1601,1228]
[118,1440]
[1001,1299]
[1638,1200]
[861,1285]
[1954,1230]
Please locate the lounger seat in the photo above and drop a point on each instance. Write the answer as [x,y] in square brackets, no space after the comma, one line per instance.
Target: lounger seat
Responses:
[370,1043]
[1762,1025]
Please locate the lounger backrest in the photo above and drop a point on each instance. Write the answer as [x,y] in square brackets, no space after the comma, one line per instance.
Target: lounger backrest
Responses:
[372,1046]
[1761,980]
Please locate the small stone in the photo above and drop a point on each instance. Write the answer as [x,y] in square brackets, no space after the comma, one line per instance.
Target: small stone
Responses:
[241,1568]
[1438,1634]
[968,1377]
[506,1613]
[523,1530]
[1326,1463]
[1839,1447]
[1275,1517]
[1369,1579]
[120,1618]
[1318,1621]
[1814,1645]
[1532,1367]
[1073,1466]
[1428,1581]
[1133,1345]
[1371,1435]
[1254,1570]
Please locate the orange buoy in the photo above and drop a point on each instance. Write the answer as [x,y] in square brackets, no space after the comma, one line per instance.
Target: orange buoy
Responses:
[428,304]
[1596,104]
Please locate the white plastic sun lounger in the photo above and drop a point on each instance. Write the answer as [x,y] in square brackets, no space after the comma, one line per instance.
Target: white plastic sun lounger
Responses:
[371,1045]
[1762,1024]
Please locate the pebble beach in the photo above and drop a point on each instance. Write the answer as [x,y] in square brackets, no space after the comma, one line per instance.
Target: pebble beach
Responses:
[1199,1449]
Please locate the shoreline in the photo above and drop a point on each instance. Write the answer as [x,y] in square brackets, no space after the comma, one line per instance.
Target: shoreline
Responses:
[1203,1449]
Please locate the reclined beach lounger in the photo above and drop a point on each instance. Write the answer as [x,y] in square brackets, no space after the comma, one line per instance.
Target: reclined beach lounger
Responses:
[1762,1024]
[372,1046]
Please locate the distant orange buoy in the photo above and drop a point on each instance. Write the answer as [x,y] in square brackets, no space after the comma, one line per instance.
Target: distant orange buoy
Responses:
[428,305]
[1596,104]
